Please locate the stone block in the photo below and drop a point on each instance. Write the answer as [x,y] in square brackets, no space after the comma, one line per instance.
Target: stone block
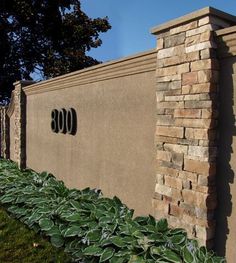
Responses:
[187,184]
[170,105]
[189,196]
[200,167]
[204,21]
[189,78]
[165,139]
[204,64]
[194,123]
[183,58]
[206,36]
[202,152]
[183,28]
[169,78]
[160,43]
[208,53]
[199,134]
[164,120]
[163,155]
[167,170]
[219,22]
[160,96]
[177,132]
[174,40]
[208,76]
[206,180]
[169,85]
[209,114]
[173,182]
[193,40]
[171,51]
[176,211]
[187,141]
[163,190]
[161,205]
[174,98]
[176,195]
[187,113]
[177,159]
[159,178]
[188,208]
[198,104]
[188,176]
[172,70]
[160,111]
[176,148]
[200,30]
[200,46]
[203,88]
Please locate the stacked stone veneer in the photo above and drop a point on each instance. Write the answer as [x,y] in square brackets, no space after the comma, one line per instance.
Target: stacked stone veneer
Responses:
[18,105]
[186,129]
[4,128]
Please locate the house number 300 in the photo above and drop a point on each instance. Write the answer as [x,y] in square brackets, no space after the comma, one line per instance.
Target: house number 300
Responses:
[64,121]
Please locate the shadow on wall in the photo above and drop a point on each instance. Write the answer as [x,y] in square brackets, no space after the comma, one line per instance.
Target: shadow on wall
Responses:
[225,174]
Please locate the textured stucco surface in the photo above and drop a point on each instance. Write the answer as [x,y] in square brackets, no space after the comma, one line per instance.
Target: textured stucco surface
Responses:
[114,146]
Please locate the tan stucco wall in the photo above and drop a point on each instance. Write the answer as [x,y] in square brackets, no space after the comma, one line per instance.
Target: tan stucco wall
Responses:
[226,186]
[114,146]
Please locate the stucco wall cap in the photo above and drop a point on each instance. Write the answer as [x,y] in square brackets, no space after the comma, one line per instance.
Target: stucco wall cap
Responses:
[193,16]
[226,31]
[23,82]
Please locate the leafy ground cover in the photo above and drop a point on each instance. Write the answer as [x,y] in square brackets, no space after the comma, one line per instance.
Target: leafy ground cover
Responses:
[18,244]
[90,227]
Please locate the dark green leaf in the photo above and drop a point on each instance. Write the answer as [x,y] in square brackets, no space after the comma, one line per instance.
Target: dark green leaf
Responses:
[107,254]
[93,251]
[46,224]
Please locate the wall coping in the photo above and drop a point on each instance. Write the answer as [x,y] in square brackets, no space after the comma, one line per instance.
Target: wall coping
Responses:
[193,16]
[139,63]
[225,31]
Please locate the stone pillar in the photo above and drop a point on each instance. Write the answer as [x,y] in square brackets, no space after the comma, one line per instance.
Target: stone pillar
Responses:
[186,130]
[20,122]
[4,133]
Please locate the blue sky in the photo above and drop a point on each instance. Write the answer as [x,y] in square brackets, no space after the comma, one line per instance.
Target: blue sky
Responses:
[131,21]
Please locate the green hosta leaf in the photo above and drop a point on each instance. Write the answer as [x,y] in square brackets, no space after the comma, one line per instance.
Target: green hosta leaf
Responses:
[156,251]
[176,231]
[72,231]
[178,239]
[93,251]
[57,240]
[162,225]
[46,224]
[142,220]
[107,254]
[73,218]
[136,259]
[105,220]
[151,220]
[94,235]
[7,199]
[35,217]
[54,231]
[171,256]
[116,259]
[187,256]
[117,241]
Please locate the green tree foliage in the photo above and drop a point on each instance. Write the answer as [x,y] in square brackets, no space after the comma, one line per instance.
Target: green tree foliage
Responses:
[48,36]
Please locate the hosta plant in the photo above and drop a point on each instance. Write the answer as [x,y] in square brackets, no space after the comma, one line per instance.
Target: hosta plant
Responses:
[90,227]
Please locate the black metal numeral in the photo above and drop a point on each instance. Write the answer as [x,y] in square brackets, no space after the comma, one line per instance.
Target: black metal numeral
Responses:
[64,121]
